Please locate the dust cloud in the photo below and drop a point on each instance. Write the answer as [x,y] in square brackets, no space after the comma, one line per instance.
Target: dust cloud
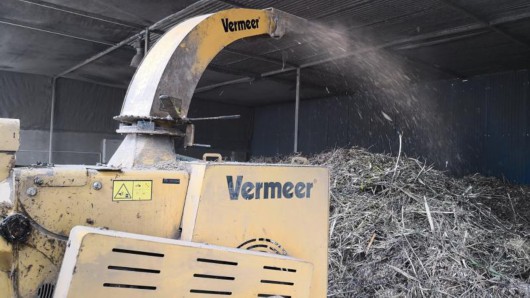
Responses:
[389,97]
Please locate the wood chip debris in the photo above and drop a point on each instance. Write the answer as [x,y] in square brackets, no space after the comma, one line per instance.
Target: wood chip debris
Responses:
[413,231]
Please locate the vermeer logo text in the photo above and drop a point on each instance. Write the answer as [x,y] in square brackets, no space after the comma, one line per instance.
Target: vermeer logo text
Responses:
[239,25]
[267,190]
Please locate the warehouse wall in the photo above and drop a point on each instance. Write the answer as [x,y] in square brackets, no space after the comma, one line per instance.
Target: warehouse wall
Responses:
[83,119]
[231,138]
[484,126]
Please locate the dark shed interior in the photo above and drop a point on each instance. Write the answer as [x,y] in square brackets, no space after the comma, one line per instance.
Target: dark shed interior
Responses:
[450,76]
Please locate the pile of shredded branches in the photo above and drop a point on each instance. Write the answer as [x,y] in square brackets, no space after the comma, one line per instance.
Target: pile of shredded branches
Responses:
[398,227]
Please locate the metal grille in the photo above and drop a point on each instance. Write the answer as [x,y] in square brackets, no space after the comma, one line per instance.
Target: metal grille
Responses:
[115,264]
[46,291]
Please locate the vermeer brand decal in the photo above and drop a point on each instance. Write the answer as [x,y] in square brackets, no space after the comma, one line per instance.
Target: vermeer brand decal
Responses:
[267,190]
[239,25]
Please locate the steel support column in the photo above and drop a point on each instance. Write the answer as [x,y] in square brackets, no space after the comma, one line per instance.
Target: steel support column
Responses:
[146,41]
[52,114]
[296,110]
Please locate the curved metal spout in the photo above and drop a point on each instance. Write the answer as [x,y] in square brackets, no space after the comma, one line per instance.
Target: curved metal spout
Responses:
[160,93]
[175,64]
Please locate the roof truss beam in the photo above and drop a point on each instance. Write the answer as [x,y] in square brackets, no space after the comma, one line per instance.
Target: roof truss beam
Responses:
[442,34]
[53,32]
[249,77]
[485,23]
[85,14]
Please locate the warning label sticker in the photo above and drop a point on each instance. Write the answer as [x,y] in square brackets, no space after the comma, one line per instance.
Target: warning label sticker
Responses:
[132,190]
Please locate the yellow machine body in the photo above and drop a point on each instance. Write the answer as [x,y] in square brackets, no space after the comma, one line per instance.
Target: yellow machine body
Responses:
[188,49]
[117,264]
[9,142]
[281,210]
[59,234]
[59,198]
[275,209]
[70,196]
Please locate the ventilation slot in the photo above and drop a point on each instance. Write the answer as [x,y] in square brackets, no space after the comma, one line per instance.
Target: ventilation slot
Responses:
[209,276]
[133,269]
[137,252]
[273,295]
[220,262]
[214,276]
[45,291]
[279,269]
[139,287]
[277,282]
[211,292]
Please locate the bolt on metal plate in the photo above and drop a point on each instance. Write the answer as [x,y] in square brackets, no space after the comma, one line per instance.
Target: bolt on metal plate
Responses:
[97,185]
[38,180]
[31,191]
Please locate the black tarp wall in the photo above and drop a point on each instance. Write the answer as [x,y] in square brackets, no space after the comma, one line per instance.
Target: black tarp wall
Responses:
[83,119]
[485,122]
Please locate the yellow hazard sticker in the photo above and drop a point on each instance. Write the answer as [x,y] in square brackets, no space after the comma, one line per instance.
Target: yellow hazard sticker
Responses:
[132,190]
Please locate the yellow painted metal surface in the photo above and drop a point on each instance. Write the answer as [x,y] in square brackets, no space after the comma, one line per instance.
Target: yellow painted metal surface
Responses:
[223,28]
[115,264]
[176,62]
[9,134]
[6,267]
[277,209]
[75,195]
[6,286]
[281,210]
[6,255]
[61,176]
[33,269]
[7,162]
[9,143]
[71,199]
[193,196]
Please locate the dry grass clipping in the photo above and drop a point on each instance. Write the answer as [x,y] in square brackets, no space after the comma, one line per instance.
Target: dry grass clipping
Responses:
[401,228]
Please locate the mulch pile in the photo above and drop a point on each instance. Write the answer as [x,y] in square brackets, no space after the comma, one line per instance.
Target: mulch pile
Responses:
[398,227]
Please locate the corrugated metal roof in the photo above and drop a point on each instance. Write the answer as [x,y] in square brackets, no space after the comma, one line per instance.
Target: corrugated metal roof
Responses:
[431,38]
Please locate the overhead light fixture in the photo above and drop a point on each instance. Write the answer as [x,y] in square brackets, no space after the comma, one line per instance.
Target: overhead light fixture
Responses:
[139,56]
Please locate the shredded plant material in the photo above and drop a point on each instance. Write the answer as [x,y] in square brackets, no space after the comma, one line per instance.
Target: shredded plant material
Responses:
[398,227]
[171,165]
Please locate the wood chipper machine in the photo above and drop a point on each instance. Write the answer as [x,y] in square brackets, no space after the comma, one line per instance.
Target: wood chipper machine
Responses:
[197,229]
